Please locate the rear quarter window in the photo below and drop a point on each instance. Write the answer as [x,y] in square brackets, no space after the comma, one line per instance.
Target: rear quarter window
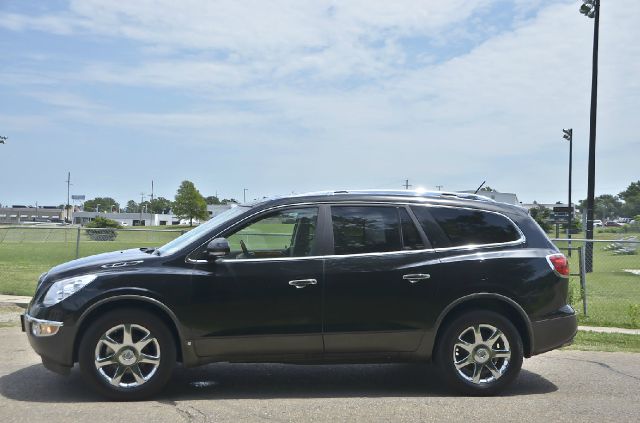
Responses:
[463,227]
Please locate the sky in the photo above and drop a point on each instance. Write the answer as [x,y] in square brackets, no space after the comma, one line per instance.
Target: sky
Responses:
[294,96]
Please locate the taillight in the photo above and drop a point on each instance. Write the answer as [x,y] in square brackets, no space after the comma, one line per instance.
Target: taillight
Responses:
[559,264]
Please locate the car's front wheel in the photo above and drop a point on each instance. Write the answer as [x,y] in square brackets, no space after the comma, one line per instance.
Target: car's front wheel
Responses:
[127,354]
[479,353]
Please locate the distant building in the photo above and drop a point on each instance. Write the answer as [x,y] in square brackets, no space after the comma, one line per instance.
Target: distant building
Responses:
[549,206]
[501,197]
[216,209]
[127,219]
[24,214]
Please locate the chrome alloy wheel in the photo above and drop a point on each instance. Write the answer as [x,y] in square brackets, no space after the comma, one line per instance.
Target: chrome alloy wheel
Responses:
[481,354]
[127,355]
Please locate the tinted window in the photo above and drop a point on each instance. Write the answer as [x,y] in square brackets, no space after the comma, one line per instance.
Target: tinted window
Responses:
[411,239]
[358,230]
[465,227]
[287,233]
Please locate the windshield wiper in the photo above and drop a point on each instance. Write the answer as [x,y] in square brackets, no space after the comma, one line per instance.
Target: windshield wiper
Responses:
[148,250]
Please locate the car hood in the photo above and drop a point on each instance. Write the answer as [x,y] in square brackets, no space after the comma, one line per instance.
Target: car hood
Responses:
[106,261]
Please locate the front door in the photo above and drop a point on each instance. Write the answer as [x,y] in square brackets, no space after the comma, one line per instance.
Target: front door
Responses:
[264,298]
[379,282]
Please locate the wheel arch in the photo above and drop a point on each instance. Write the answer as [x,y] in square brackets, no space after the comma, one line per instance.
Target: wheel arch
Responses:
[132,301]
[487,301]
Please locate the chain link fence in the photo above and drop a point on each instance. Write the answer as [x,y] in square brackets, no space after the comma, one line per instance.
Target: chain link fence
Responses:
[28,251]
[609,295]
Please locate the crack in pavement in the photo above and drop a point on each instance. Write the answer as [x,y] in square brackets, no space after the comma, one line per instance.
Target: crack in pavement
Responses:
[188,413]
[599,363]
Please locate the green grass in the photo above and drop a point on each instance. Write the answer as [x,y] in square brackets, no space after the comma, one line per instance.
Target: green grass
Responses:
[610,290]
[25,254]
[613,342]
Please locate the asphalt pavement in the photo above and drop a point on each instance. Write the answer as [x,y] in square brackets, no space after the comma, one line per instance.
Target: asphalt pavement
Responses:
[557,386]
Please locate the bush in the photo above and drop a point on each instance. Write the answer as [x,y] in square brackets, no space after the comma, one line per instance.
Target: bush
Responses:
[105,229]
[576,226]
[629,228]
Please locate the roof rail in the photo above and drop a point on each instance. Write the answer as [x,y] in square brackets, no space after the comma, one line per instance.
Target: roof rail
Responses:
[415,193]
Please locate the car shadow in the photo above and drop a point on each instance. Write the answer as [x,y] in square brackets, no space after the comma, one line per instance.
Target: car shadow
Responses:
[263,381]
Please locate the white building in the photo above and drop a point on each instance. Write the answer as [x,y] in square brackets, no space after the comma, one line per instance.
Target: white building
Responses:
[501,197]
[127,219]
[215,209]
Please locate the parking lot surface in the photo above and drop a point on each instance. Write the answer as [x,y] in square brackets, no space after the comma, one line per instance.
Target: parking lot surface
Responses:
[558,386]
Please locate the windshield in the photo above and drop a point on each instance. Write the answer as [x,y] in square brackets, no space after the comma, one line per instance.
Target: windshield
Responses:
[199,231]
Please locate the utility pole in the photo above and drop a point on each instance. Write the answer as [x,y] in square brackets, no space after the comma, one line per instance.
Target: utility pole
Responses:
[568,135]
[68,181]
[141,201]
[439,187]
[244,195]
[591,9]
[406,184]
[152,190]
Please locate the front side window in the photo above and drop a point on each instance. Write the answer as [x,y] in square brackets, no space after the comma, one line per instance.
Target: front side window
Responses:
[285,233]
[470,227]
[362,229]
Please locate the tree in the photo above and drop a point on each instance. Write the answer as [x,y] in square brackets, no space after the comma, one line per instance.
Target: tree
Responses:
[132,207]
[159,205]
[212,200]
[106,204]
[189,203]
[605,206]
[487,188]
[541,215]
[229,201]
[631,197]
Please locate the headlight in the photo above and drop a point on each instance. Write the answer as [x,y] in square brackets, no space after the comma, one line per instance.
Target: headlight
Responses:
[66,287]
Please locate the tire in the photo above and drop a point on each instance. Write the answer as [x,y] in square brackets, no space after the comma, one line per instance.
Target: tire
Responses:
[483,366]
[141,365]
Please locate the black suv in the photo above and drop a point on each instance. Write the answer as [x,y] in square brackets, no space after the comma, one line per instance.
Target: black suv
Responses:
[332,277]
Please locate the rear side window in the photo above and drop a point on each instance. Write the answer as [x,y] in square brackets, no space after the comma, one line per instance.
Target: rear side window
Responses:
[361,229]
[467,227]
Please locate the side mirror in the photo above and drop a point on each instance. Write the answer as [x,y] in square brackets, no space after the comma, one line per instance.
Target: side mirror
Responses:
[217,248]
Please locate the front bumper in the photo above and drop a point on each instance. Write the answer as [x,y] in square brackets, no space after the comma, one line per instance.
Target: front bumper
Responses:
[556,332]
[56,350]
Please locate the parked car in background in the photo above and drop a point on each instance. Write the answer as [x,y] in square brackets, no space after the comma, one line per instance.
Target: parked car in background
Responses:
[614,224]
[335,277]
[597,223]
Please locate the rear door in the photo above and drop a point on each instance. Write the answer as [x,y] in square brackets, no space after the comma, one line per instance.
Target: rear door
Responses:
[379,281]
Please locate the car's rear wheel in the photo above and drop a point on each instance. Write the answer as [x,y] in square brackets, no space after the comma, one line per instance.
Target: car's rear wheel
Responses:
[127,354]
[479,353]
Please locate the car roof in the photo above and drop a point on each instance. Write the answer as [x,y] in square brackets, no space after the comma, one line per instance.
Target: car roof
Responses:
[393,196]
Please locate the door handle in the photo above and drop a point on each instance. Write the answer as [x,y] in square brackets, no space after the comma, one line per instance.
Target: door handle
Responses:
[301,283]
[416,277]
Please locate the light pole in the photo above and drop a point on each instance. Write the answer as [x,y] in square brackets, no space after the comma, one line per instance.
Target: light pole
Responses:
[568,135]
[244,195]
[591,9]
